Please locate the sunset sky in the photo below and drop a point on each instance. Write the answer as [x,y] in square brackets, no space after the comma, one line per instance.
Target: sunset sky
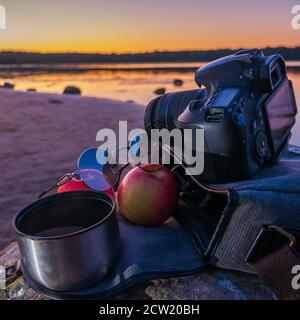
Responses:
[140,25]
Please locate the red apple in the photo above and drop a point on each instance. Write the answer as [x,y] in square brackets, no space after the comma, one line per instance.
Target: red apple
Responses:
[77,184]
[148,195]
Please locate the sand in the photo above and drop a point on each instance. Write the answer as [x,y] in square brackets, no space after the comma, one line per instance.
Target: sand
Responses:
[41,137]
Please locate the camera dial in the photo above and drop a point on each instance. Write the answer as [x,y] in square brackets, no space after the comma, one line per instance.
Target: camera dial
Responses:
[261,144]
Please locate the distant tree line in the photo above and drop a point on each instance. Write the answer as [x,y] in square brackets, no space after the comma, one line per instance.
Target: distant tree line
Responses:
[9,57]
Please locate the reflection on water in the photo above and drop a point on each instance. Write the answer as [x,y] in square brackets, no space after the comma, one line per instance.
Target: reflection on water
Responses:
[134,82]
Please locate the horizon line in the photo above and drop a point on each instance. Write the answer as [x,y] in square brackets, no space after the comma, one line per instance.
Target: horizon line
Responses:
[141,52]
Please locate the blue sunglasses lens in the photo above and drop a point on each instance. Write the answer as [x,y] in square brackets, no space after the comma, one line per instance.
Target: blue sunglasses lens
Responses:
[94,179]
[98,159]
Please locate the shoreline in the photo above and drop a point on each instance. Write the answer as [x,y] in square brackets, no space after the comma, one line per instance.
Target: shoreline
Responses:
[42,135]
[292,65]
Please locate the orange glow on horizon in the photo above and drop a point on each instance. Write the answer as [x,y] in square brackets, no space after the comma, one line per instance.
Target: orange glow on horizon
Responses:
[131,26]
[95,49]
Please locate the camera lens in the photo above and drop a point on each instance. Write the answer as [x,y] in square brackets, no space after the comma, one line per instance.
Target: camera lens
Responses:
[163,112]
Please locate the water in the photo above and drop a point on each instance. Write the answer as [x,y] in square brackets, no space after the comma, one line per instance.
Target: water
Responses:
[126,82]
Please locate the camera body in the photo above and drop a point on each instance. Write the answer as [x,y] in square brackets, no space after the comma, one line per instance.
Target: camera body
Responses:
[246,108]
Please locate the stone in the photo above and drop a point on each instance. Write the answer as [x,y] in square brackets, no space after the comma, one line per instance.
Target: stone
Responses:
[8,85]
[178,82]
[72,90]
[160,91]
[213,284]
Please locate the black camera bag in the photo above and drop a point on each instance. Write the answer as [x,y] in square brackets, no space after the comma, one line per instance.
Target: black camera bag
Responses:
[254,225]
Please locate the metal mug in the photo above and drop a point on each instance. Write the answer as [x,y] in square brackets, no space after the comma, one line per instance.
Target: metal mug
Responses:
[68,241]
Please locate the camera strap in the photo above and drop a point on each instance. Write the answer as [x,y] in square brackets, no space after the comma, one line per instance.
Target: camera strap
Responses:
[280,268]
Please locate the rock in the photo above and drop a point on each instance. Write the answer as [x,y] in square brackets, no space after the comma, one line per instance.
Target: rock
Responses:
[178,82]
[214,284]
[160,91]
[210,285]
[72,90]
[9,255]
[31,90]
[8,85]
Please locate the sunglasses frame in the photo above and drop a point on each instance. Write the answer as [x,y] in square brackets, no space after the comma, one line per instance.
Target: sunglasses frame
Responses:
[69,176]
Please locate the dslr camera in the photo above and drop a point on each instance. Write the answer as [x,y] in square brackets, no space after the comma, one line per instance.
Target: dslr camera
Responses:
[246,107]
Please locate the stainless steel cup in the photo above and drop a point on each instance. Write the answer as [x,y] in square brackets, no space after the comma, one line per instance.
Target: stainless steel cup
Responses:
[68,241]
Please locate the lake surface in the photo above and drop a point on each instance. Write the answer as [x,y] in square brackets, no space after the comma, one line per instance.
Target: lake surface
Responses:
[126,82]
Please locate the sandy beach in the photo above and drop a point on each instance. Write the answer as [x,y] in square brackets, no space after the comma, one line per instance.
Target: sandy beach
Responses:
[42,136]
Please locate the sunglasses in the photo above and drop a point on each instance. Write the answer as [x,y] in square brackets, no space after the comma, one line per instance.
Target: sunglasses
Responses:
[100,171]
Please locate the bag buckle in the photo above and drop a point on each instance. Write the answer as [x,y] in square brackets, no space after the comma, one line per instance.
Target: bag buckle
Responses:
[286,234]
